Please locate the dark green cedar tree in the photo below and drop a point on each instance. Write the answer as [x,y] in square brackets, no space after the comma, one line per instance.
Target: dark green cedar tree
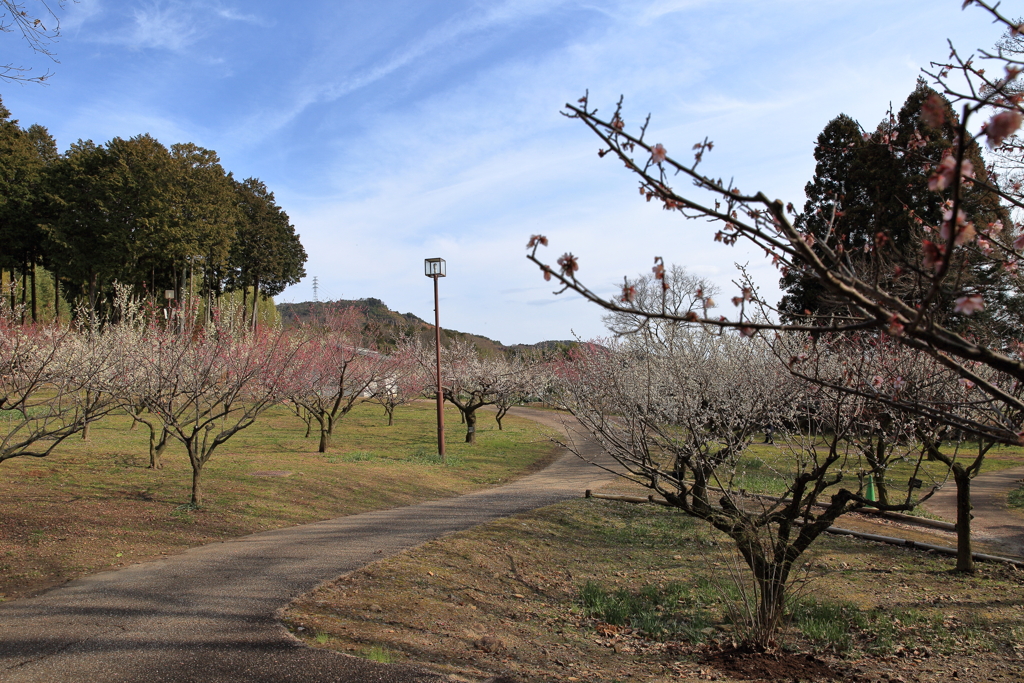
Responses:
[870,200]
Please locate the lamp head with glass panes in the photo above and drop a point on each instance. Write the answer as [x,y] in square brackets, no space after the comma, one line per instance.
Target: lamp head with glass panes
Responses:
[433,267]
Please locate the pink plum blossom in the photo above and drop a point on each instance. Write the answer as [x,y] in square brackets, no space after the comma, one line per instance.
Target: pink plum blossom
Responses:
[969,304]
[943,176]
[569,264]
[1002,126]
[658,153]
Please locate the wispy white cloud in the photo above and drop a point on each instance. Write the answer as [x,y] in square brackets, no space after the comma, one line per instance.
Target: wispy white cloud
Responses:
[170,26]
[78,14]
[482,18]
[327,83]
[233,14]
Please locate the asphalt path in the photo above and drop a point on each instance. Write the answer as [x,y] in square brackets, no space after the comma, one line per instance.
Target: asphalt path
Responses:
[209,614]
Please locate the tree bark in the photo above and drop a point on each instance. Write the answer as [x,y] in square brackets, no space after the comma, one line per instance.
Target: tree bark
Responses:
[470,427]
[56,297]
[964,558]
[255,300]
[156,448]
[245,304]
[197,482]
[35,308]
[24,291]
[85,425]
[326,427]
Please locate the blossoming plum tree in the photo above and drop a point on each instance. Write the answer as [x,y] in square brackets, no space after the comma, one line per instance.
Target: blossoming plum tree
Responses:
[52,385]
[334,370]
[468,381]
[681,417]
[403,379]
[906,400]
[209,382]
[522,377]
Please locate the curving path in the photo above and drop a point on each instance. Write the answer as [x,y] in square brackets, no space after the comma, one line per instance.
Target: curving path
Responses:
[209,614]
[994,523]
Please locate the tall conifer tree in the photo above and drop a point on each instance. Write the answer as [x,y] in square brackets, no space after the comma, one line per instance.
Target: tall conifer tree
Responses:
[864,186]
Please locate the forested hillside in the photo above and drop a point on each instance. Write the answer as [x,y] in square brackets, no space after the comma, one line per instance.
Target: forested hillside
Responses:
[383,326]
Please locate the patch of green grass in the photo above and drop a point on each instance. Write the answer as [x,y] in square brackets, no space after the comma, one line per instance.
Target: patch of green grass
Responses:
[656,611]
[354,456]
[828,624]
[1015,498]
[911,628]
[642,525]
[380,654]
[841,627]
[430,456]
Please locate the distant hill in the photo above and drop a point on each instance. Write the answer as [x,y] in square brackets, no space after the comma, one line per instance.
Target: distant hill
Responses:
[384,326]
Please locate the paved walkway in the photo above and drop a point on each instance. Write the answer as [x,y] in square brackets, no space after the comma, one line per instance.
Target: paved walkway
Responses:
[994,523]
[209,614]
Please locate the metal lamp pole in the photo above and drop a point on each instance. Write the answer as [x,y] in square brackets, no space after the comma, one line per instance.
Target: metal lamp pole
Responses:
[434,268]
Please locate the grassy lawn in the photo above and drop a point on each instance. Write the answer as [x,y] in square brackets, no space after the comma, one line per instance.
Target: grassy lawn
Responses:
[94,504]
[595,590]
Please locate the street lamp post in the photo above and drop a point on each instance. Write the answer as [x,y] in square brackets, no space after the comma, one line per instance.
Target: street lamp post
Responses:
[434,268]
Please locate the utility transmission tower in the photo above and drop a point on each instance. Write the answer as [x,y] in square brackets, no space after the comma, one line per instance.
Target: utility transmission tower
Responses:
[316,290]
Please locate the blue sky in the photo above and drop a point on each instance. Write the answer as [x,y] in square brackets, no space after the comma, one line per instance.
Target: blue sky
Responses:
[393,131]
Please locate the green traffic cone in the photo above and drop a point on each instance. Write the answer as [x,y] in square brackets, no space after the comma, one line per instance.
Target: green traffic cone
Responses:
[869,492]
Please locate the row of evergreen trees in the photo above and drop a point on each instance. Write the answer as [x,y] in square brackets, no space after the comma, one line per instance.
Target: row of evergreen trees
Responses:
[135,212]
[873,183]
